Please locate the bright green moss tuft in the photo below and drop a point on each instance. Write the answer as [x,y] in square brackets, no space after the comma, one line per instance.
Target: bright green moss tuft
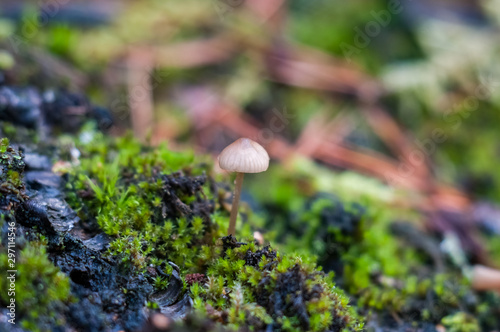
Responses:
[258,286]
[41,289]
[141,198]
[461,322]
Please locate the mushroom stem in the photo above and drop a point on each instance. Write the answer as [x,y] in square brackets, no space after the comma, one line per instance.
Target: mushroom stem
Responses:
[236,200]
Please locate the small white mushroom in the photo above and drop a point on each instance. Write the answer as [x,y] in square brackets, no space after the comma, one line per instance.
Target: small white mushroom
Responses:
[160,321]
[258,237]
[242,156]
[485,278]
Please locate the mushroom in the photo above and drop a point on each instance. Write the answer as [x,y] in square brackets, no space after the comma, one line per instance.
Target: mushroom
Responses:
[485,278]
[257,236]
[242,156]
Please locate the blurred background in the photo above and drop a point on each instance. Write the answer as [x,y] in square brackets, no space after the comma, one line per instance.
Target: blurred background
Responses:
[394,105]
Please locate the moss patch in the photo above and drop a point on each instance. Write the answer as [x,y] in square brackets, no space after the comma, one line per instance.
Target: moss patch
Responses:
[151,210]
[251,286]
[158,206]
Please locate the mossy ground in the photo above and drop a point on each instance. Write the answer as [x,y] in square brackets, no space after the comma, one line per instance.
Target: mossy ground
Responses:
[41,290]
[156,206]
[159,206]
[394,269]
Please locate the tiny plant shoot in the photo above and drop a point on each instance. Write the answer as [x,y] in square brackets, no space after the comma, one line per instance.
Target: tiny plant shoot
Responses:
[242,156]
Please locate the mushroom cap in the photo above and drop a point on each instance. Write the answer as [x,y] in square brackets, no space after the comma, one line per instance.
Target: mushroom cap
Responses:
[485,278]
[244,156]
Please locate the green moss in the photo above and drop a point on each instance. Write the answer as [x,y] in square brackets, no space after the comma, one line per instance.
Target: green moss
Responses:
[41,289]
[461,322]
[376,267]
[11,168]
[121,185]
[158,206]
[257,287]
